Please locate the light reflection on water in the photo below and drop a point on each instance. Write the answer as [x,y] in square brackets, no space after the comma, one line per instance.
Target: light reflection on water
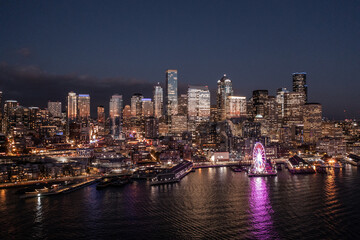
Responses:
[260,209]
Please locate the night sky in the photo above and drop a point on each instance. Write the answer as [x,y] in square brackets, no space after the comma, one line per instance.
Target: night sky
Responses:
[48,48]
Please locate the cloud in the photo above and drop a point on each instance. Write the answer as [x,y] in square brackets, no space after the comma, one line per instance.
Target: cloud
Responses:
[25,52]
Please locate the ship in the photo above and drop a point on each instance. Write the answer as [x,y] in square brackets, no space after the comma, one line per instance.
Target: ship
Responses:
[174,174]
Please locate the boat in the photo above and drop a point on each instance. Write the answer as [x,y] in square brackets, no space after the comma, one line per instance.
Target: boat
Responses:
[236,168]
[105,183]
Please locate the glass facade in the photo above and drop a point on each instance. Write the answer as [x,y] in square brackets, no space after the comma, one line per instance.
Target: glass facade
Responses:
[115,114]
[171,93]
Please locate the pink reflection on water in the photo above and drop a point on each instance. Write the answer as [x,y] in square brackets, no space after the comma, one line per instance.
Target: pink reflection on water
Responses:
[260,209]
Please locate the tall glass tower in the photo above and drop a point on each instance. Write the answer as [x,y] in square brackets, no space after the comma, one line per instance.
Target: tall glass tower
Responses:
[158,101]
[223,91]
[115,113]
[171,93]
[299,84]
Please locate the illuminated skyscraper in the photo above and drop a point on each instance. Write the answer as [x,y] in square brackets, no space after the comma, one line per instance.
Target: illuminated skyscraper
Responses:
[259,98]
[235,107]
[54,109]
[147,107]
[101,119]
[198,106]
[224,89]
[136,105]
[280,100]
[158,101]
[183,105]
[84,106]
[171,93]
[72,107]
[9,115]
[299,84]
[312,122]
[115,114]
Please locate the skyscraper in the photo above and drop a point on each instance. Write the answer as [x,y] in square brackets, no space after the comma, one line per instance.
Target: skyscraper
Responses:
[171,93]
[84,106]
[280,100]
[183,104]
[147,107]
[136,105]
[259,98]
[312,122]
[198,106]
[115,114]
[54,109]
[235,107]
[299,84]
[9,115]
[224,89]
[101,119]
[72,107]
[158,101]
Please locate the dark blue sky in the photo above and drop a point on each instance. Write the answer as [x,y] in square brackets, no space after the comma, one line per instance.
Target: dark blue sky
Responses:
[103,47]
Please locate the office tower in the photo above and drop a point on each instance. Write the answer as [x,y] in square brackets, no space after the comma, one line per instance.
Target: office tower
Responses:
[34,118]
[280,100]
[9,115]
[293,108]
[158,101]
[299,84]
[83,106]
[151,127]
[54,109]
[183,105]
[136,105]
[312,115]
[235,107]
[259,99]
[126,119]
[171,93]
[101,114]
[101,119]
[198,104]
[147,107]
[72,107]
[224,89]
[115,114]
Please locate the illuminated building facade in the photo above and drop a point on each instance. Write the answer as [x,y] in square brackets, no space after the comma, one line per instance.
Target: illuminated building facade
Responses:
[54,109]
[115,114]
[183,104]
[147,107]
[299,84]
[259,99]
[280,100]
[235,107]
[224,89]
[171,93]
[198,106]
[72,107]
[136,105]
[83,107]
[312,116]
[158,101]
[9,115]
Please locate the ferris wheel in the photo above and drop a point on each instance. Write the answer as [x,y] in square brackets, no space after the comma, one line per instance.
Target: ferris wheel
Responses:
[259,158]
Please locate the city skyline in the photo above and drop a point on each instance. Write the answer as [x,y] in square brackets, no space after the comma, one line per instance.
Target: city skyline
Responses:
[256,52]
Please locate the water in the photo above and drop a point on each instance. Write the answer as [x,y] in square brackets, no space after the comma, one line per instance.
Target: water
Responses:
[208,204]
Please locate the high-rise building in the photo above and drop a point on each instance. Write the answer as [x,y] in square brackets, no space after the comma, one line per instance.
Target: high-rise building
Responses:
[312,113]
[115,114]
[183,105]
[151,127]
[101,119]
[293,108]
[147,107]
[158,101]
[259,99]
[171,93]
[236,107]
[299,84]
[198,106]
[136,105]
[72,107]
[280,100]
[9,115]
[54,109]
[224,89]
[84,106]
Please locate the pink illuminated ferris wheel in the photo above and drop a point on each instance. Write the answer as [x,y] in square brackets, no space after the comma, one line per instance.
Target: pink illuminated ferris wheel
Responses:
[259,158]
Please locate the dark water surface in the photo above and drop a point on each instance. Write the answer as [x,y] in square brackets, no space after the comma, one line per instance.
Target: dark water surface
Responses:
[208,204]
